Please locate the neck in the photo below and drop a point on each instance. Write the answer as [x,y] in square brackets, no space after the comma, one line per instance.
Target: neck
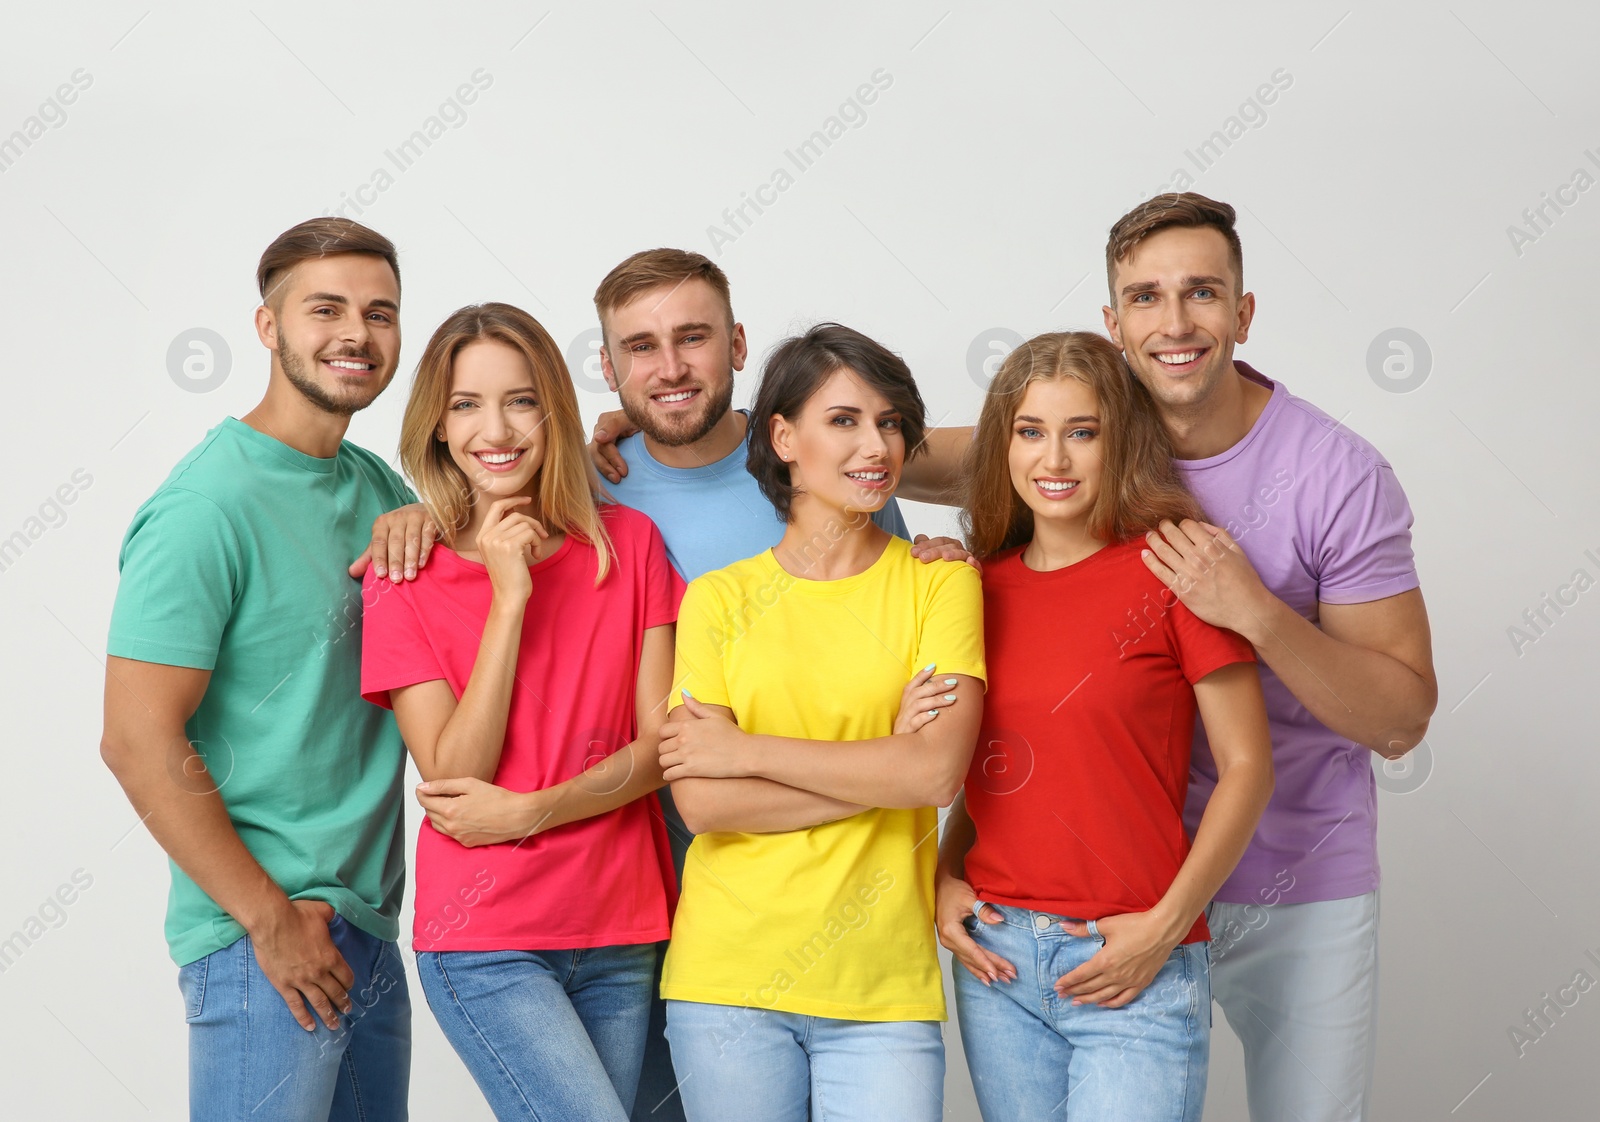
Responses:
[286,416]
[726,435]
[1057,544]
[1210,427]
[828,543]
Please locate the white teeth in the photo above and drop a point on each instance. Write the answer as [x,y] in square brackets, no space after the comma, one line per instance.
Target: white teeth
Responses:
[1178,359]
[871,476]
[1049,485]
[683,395]
[344,365]
[497,457]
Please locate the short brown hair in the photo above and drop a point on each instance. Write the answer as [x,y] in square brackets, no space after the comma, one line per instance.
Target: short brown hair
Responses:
[1139,487]
[797,369]
[651,268]
[319,237]
[1173,209]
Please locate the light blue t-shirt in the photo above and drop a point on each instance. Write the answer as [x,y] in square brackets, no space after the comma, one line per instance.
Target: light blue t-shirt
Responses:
[710,516]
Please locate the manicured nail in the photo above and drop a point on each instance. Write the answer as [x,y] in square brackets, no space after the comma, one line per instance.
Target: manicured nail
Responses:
[930,666]
[933,712]
[949,697]
[949,681]
[687,696]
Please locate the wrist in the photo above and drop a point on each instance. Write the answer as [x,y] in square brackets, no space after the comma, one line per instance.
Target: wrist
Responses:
[1173,924]
[535,812]
[268,911]
[507,606]
[1256,618]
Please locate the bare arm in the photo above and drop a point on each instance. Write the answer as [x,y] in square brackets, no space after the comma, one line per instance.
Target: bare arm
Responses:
[147,748]
[904,769]
[934,475]
[954,900]
[1366,672]
[475,812]
[1137,943]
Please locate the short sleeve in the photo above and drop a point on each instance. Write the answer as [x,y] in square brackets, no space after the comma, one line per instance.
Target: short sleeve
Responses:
[180,567]
[698,666]
[1199,647]
[951,635]
[1365,552]
[663,587]
[395,651]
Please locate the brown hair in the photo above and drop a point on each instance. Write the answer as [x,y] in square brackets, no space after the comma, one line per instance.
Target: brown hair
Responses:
[318,237]
[1138,484]
[1174,209]
[796,369]
[652,268]
[567,489]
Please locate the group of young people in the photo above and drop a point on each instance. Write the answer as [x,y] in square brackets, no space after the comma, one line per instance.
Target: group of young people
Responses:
[685,701]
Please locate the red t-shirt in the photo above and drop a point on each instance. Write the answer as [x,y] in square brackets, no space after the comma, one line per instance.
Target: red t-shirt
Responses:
[1078,783]
[602,881]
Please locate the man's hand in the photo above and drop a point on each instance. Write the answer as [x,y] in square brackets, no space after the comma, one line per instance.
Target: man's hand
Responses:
[1137,945]
[401,542]
[1208,571]
[474,813]
[702,744]
[926,549]
[952,908]
[610,428]
[296,953]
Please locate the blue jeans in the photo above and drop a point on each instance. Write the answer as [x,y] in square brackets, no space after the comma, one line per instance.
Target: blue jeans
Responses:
[249,1059]
[546,1034]
[1034,1055]
[738,1064]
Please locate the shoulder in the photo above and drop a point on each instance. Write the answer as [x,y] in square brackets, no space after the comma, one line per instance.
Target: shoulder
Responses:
[1327,441]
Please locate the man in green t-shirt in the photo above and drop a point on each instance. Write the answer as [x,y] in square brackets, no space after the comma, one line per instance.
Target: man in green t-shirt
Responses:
[234,720]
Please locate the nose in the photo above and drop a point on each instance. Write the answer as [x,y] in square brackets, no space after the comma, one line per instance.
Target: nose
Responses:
[673,361]
[1175,319]
[497,428]
[874,445]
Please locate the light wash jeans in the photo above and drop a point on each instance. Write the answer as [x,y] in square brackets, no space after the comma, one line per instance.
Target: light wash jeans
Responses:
[546,1034]
[249,1059]
[1034,1056]
[1299,985]
[757,1065]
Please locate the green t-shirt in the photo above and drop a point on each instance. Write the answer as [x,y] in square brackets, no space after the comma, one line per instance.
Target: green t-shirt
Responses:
[238,564]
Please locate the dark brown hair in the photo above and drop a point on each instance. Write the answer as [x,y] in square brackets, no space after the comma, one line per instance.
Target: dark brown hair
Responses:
[797,368]
[318,237]
[1138,484]
[651,268]
[1174,209]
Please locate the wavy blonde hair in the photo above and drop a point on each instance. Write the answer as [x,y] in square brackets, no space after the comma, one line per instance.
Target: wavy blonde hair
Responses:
[567,489]
[1139,487]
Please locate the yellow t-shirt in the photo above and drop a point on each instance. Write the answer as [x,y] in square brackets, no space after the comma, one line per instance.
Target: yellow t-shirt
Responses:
[837,920]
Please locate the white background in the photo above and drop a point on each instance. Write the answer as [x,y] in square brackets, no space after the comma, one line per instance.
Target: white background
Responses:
[976,195]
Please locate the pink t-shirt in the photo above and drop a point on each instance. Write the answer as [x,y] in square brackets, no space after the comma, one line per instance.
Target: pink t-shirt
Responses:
[602,881]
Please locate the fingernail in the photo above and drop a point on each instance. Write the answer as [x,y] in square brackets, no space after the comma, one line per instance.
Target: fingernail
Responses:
[949,681]
[411,574]
[949,697]
[687,695]
[933,713]
[380,570]
[930,666]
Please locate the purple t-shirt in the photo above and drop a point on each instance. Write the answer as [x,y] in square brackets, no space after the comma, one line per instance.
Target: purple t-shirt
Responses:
[1322,518]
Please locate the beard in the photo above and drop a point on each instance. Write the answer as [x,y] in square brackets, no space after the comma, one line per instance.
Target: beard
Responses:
[340,401]
[677,431]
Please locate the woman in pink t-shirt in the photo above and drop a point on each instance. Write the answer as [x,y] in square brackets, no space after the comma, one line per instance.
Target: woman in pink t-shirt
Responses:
[527,667]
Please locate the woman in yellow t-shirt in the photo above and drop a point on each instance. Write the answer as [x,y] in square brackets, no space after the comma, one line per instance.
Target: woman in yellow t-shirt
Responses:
[803,979]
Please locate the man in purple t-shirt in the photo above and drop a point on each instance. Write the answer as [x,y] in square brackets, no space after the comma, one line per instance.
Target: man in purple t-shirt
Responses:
[1311,562]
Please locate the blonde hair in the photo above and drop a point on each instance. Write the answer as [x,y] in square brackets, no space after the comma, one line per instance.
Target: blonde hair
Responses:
[567,490]
[1139,487]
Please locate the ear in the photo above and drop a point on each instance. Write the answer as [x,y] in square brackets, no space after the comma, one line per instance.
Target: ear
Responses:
[741,348]
[267,327]
[1113,324]
[609,371]
[783,438]
[1247,313]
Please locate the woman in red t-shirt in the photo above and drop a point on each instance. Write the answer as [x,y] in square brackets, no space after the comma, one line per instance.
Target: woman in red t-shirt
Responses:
[528,666]
[1067,887]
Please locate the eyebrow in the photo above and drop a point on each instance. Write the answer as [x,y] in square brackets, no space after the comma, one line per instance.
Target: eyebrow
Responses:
[335,298]
[1069,421]
[680,329]
[889,412]
[1195,281]
[508,393]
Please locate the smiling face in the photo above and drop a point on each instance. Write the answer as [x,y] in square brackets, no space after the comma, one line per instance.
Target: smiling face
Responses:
[334,330]
[493,421]
[1179,313]
[845,449]
[670,354]
[1054,454]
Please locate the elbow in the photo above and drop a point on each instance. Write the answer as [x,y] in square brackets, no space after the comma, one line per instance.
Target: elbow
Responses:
[1400,741]
[115,754]
[693,807]
[944,793]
